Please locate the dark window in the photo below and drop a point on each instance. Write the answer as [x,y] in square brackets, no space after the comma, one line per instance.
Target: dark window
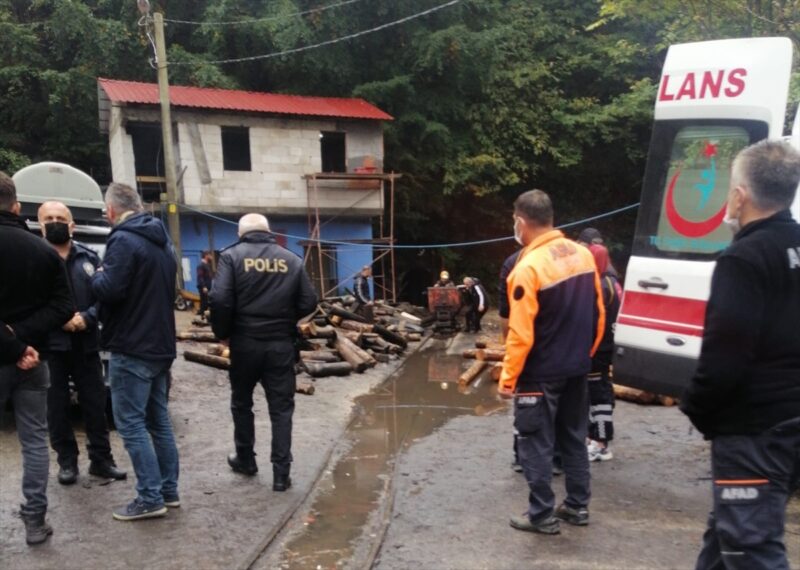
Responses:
[236,148]
[333,153]
[148,156]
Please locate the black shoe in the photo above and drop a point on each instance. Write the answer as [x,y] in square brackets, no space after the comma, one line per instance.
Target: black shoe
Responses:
[36,528]
[281,483]
[137,510]
[107,470]
[548,525]
[172,501]
[245,467]
[577,517]
[68,475]
[516,466]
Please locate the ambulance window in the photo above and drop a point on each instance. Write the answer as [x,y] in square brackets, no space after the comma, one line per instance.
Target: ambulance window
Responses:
[686,187]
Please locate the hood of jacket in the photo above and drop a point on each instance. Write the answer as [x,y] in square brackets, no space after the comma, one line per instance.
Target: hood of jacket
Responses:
[145,225]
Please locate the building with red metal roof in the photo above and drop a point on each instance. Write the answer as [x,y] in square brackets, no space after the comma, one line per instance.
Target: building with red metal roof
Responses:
[242,151]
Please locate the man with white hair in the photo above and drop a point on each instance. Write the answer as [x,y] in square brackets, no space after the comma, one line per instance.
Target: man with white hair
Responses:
[260,292]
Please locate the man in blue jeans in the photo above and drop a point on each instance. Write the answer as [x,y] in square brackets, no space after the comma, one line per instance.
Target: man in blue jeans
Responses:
[136,287]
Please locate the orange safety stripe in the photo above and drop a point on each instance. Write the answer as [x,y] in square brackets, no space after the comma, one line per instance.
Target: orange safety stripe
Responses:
[741,481]
[523,394]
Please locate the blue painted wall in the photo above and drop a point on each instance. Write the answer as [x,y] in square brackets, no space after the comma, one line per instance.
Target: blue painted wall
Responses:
[200,232]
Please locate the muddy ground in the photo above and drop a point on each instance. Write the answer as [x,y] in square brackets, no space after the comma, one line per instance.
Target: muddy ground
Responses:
[410,473]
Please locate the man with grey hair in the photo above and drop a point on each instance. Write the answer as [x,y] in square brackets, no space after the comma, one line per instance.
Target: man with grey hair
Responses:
[34,300]
[136,288]
[260,292]
[745,395]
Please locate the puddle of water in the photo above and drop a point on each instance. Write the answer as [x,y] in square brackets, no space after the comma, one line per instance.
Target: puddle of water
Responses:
[421,397]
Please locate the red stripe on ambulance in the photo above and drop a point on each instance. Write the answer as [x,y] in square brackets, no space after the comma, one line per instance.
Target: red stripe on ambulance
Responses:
[663,313]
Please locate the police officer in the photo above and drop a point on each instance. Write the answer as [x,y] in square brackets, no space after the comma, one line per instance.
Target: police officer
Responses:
[745,395]
[73,355]
[260,292]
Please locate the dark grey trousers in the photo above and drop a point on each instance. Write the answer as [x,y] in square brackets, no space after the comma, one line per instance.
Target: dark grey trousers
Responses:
[555,414]
[754,476]
[27,390]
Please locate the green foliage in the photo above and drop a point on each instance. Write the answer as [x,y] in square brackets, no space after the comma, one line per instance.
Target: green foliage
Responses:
[490,97]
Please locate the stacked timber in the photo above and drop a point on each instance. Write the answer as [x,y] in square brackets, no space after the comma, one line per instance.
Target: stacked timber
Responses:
[334,340]
[487,354]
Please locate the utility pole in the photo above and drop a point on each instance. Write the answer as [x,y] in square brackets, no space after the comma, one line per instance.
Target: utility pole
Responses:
[173,218]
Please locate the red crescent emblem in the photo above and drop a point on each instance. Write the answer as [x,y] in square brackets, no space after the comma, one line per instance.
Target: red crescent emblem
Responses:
[684,226]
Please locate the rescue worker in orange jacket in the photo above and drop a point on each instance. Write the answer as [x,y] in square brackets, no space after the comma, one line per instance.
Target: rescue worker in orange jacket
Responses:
[557,320]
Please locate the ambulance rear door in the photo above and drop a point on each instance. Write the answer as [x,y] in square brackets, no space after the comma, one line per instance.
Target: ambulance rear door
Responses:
[714,99]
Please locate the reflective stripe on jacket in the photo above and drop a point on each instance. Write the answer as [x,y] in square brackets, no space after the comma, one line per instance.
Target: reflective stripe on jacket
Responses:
[557,317]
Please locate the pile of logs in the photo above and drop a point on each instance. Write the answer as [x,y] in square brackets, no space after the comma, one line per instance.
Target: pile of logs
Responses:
[487,352]
[334,341]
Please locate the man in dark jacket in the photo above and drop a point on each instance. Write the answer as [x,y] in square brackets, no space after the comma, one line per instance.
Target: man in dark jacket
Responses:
[361,291]
[745,395]
[34,300]
[205,278]
[73,355]
[477,304]
[136,288]
[260,292]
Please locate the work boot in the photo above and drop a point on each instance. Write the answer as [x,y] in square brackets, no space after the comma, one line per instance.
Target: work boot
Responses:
[548,525]
[36,528]
[244,466]
[68,474]
[577,517]
[107,470]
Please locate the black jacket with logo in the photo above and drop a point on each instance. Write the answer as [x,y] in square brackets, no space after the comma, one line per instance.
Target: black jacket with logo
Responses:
[136,289]
[260,291]
[34,291]
[82,263]
[748,377]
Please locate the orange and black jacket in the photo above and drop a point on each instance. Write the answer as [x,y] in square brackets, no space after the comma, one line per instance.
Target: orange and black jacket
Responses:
[557,315]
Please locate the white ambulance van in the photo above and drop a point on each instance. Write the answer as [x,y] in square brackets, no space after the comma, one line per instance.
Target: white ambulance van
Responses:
[714,99]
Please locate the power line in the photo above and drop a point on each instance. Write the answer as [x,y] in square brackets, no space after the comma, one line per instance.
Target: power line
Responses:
[325,43]
[419,246]
[265,19]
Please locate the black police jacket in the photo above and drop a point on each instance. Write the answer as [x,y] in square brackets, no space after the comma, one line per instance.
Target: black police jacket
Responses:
[34,292]
[136,289]
[748,376]
[82,263]
[260,291]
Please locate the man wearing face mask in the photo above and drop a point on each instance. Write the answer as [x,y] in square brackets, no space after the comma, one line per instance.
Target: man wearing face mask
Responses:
[556,322]
[745,395]
[73,354]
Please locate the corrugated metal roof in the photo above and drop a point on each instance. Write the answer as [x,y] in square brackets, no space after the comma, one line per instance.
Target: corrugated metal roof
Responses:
[241,101]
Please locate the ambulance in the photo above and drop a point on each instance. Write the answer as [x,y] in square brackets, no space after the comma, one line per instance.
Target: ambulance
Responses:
[714,99]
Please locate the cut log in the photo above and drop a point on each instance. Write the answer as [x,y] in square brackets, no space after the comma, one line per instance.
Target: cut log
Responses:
[322,332]
[215,349]
[472,372]
[337,311]
[355,326]
[351,354]
[390,336]
[384,358]
[207,359]
[489,354]
[205,336]
[200,323]
[641,397]
[320,369]
[413,337]
[470,353]
[307,389]
[319,356]
[335,320]
[408,317]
